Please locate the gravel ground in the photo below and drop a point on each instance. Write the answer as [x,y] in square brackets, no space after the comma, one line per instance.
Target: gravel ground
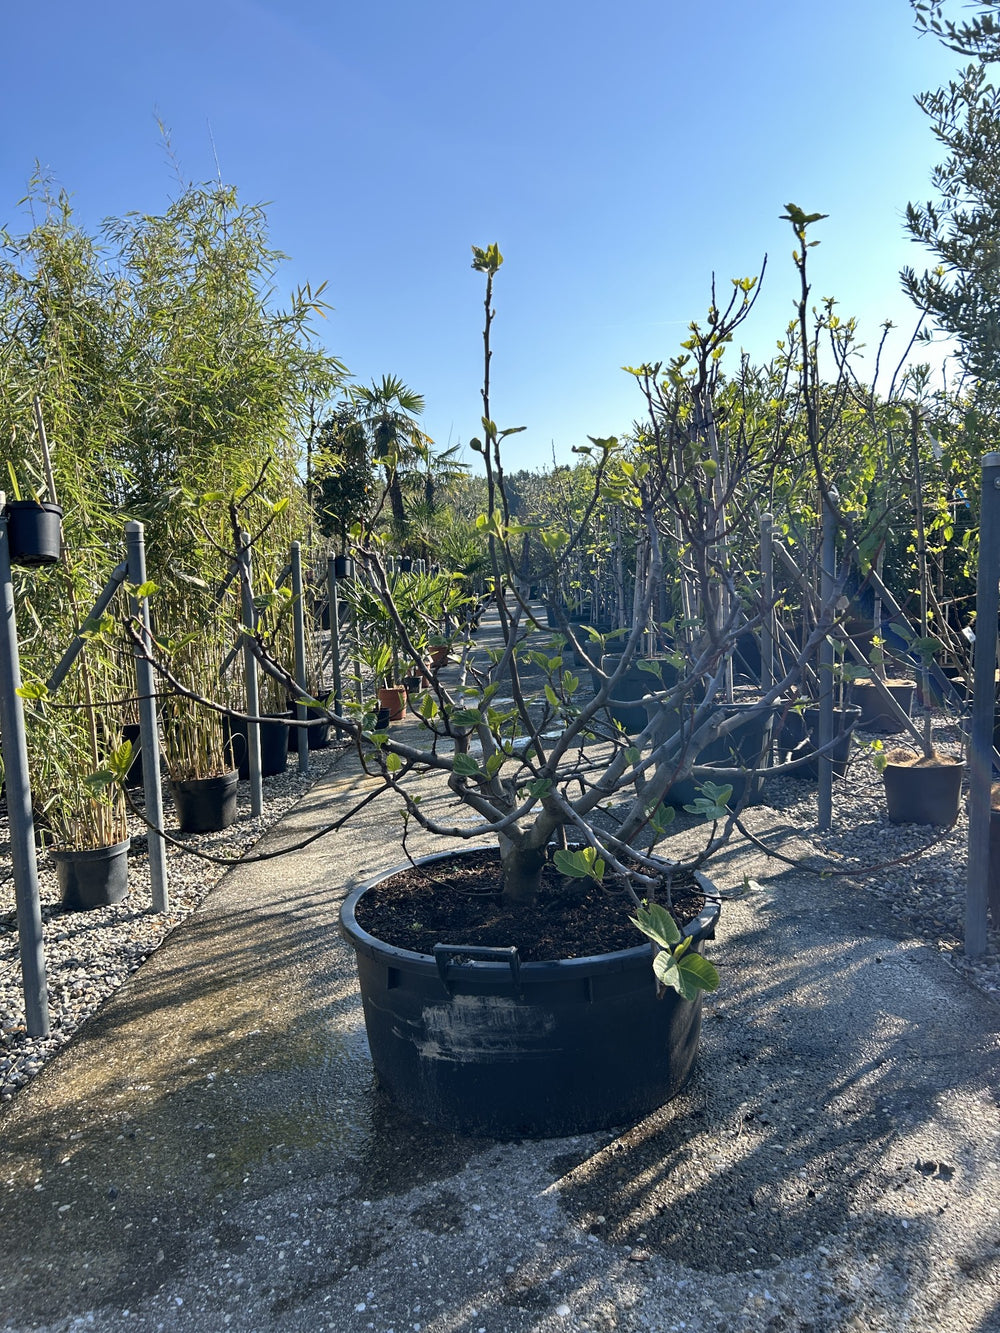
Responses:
[89,954]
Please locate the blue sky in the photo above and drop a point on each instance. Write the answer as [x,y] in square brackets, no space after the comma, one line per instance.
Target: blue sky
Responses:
[619,154]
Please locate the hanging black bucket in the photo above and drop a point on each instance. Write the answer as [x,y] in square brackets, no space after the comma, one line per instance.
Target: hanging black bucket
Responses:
[34,532]
[343,566]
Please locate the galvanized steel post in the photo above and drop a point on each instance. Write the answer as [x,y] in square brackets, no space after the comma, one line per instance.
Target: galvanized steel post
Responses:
[149,739]
[983,697]
[22,831]
[249,618]
[299,629]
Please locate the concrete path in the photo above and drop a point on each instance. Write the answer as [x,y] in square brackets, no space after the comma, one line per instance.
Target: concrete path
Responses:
[211,1152]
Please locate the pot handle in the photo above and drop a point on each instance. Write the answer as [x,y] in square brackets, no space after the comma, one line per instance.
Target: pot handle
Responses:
[445,954]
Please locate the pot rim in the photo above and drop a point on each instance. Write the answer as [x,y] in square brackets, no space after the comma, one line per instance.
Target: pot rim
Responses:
[35,506]
[91,853]
[231,777]
[701,928]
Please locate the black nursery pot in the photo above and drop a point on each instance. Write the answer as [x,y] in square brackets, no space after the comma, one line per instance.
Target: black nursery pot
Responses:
[92,877]
[131,731]
[747,746]
[34,532]
[875,715]
[844,721]
[273,745]
[473,1040]
[626,706]
[924,794]
[206,805]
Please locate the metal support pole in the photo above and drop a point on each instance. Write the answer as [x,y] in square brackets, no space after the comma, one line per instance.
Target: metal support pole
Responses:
[299,629]
[149,738]
[22,831]
[118,577]
[767,598]
[249,618]
[334,608]
[983,695]
[826,659]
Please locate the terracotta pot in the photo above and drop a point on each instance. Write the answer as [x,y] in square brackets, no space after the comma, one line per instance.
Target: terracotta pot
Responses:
[393,697]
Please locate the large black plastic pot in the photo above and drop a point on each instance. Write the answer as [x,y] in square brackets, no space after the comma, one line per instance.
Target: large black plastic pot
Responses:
[875,715]
[92,877]
[625,705]
[317,733]
[472,1040]
[747,746]
[845,719]
[273,745]
[206,805]
[34,532]
[924,794]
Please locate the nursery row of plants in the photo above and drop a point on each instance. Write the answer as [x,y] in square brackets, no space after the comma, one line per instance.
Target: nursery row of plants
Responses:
[145,365]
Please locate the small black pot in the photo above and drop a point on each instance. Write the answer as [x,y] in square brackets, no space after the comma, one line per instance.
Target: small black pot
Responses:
[34,532]
[929,794]
[273,745]
[317,733]
[92,877]
[343,566]
[844,721]
[206,805]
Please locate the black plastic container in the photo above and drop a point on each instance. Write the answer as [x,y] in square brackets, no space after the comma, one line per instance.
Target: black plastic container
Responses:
[923,794]
[206,805]
[875,714]
[473,1040]
[92,877]
[625,705]
[34,532]
[273,745]
[131,731]
[747,746]
[798,738]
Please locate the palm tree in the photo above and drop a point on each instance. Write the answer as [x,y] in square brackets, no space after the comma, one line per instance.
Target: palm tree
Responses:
[389,413]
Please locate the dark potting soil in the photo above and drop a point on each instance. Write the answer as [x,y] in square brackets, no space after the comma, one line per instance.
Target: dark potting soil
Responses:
[459,902]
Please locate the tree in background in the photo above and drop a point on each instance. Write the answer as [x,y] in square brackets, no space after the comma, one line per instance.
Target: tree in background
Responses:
[389,412]
[343,479]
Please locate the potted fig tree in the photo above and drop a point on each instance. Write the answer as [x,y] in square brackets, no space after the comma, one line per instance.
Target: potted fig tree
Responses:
[548,980]
[922,787]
